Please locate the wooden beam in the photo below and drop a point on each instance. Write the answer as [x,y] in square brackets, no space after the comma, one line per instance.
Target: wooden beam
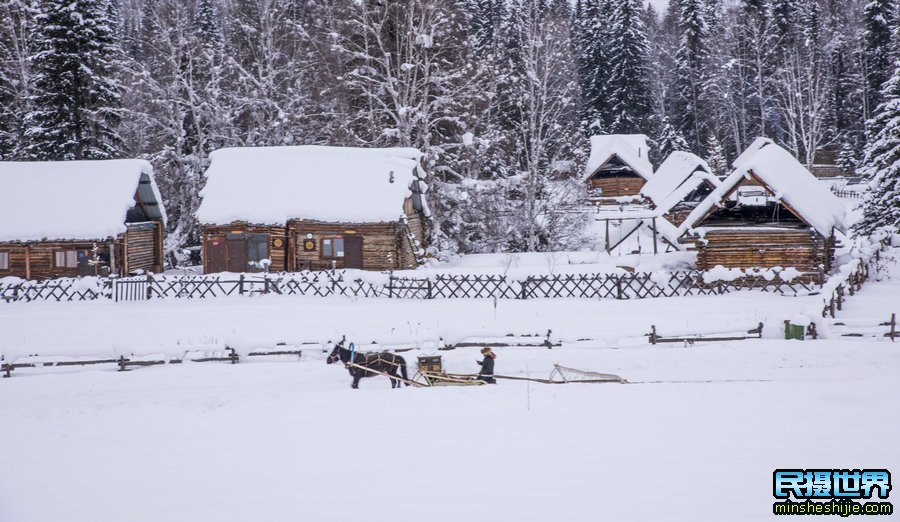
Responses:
[140,202]
[28,261]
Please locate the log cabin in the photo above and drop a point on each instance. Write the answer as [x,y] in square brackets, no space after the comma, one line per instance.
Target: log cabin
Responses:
[80,218]
[680,183]
[618,166]
[769,212]
[312,208]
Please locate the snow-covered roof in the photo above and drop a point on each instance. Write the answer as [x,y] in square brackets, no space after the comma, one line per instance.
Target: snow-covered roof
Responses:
[757,144]
[73,199]
[271,185]
[679,175]
[632,149]
[790,183]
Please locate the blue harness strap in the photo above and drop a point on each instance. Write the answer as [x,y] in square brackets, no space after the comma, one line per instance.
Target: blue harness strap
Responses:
[352,352]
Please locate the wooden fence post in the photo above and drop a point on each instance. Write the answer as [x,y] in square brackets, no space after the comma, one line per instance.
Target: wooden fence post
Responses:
[523,291]
[619,286]
[241,285]
[391,285]
[893,326]
[149,287]
[653,334]
[428,281]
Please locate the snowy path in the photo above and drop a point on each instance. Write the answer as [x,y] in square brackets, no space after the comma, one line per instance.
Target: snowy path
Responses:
[103,328]
[290,441]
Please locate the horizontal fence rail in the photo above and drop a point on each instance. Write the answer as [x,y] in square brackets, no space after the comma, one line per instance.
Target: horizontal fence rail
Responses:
[626,285]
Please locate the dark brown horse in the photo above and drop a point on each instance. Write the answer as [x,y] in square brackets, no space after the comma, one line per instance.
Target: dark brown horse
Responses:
[380,362]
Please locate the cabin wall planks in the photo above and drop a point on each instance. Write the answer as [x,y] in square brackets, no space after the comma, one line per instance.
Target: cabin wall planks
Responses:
[802,249]
[618,186]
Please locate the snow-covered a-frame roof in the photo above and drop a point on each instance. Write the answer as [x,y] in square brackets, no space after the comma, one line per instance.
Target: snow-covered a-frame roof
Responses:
[789,182]
[59,200]
[631,149]
[272,185]
[679,175]
[757,144]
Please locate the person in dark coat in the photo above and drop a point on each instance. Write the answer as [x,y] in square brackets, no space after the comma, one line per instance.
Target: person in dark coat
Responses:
[486,373]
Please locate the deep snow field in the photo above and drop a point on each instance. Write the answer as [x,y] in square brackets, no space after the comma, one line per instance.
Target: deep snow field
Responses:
[696,434]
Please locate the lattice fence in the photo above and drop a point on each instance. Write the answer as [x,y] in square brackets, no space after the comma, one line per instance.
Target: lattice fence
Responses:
[624,285]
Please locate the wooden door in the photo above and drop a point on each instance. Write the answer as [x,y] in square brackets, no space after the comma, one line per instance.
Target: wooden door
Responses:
[353,251]
[215,255]
[237,255]
[84,263]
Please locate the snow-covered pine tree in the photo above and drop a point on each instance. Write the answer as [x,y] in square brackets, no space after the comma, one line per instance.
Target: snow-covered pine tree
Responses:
[716,156]
[879,17]
[628,89]
[592,40]
[669,140]
[691,77]
[881,164]
[15,47]
[75,99]
[847,159]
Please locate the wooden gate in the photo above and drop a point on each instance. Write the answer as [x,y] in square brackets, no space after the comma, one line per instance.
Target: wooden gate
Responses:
[130,289]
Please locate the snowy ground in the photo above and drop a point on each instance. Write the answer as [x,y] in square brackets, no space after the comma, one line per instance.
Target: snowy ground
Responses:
[292,441]
[696,435]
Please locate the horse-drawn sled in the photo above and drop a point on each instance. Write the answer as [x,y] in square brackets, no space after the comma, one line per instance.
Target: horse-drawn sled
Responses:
[431,372]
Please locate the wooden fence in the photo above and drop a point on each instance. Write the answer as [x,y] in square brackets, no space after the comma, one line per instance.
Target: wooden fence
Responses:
[844,193]
[639,285]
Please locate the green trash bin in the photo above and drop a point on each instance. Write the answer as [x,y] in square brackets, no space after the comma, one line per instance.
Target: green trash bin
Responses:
[794,331]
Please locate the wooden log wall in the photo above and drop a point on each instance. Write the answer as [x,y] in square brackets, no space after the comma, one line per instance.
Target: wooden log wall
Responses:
[278,254]
[40,258]
[383,244]
[764,247]
[678,214]
[618,186]
[142,250]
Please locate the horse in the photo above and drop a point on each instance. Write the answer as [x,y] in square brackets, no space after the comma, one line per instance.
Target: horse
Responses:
[382,362]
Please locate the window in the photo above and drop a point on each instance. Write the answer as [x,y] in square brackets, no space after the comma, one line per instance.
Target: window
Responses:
[333,247]
[257,251]
[4,260]
[247,252]
[65,258]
